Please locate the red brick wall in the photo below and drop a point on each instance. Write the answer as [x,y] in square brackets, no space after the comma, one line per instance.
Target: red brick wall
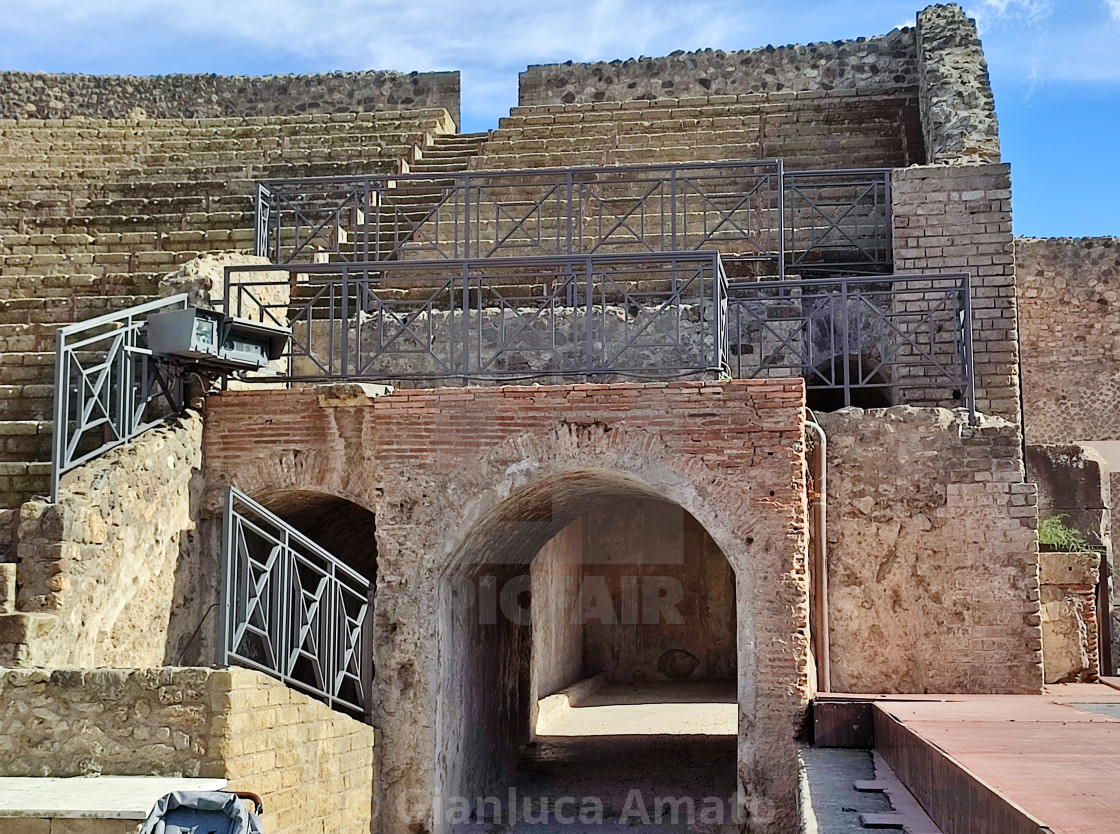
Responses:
[442,469]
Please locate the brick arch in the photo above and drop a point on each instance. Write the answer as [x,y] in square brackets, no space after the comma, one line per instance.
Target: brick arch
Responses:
[434,464]
[523,491]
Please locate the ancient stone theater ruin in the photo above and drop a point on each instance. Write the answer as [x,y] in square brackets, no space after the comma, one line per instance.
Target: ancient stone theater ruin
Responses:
[698,443]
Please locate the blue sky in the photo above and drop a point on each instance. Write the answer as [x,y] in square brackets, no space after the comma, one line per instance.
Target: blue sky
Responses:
[1055,64]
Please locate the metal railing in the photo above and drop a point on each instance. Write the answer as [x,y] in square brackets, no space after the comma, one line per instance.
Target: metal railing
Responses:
[292,610]
[108,388]
[838,221]
[907,337]
[652,316]
[545,211]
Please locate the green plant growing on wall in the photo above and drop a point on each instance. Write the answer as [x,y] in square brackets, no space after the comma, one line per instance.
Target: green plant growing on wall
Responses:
[1055,534]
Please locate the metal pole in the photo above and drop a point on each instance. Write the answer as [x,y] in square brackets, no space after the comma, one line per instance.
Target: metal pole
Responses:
[61,411]
[969,369]
[229,563]
[781,221]
[819,469]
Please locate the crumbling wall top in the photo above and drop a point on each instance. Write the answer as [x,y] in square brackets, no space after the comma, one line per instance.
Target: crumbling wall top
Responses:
[40,95]
[958,108]
[887,61]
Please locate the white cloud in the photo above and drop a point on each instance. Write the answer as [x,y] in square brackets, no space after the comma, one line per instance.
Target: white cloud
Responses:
[1030,12]
[1113,7]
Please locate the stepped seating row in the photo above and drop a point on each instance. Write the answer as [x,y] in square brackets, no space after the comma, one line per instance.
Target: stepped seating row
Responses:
[72,180]
[821,131]
[93,241]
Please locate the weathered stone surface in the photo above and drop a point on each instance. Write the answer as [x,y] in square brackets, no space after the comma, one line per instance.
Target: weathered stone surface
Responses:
[203,279]
[40,95]
[113,559]
[958,109]
[312,766]
[933,567]
[886,61]
[1069,616]
[1069,290]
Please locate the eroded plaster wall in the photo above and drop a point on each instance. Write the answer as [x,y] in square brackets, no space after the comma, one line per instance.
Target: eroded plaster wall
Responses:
[111,569]
[933,557]
[557,626]
[672,595]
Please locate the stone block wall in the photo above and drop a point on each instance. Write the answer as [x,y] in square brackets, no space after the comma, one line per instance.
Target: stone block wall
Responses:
[38,95]
[312,766]
[933,557]
[958,109]
[949,219]
[882,62]
[1069,296]
[112,561]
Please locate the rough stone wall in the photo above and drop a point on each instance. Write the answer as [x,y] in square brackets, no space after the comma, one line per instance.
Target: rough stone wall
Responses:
[958,109]
[113,559]
[37,95]
[867,63]
[312,766]
[1069,616]
[1069,295]
[958,219]
[478,479]
[636,543]
[933,556]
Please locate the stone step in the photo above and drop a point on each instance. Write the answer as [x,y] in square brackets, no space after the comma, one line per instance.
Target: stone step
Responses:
[19,482]
[25,440]
[63,310]
[26,402]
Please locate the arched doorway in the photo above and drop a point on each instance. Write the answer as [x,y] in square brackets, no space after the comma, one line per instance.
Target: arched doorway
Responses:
[590,579]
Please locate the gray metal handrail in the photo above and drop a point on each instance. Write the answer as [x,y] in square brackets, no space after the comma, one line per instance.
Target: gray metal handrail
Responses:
[909,336]
[526,212]
[636,315]
[293,610]
[805,221]
[108,389]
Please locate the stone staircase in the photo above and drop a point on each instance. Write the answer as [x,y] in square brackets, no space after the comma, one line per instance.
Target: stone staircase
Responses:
[94,213]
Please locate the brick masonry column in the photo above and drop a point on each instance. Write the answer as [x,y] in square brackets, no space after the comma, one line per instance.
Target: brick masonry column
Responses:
[958,219]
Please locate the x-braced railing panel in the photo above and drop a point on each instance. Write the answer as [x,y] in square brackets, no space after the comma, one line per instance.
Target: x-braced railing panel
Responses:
[651,316]
[838,222]
[108,388]
[734,207]
[293,610]
[908,337]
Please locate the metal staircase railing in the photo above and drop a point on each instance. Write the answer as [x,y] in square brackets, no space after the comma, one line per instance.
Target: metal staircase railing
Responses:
[293,610]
